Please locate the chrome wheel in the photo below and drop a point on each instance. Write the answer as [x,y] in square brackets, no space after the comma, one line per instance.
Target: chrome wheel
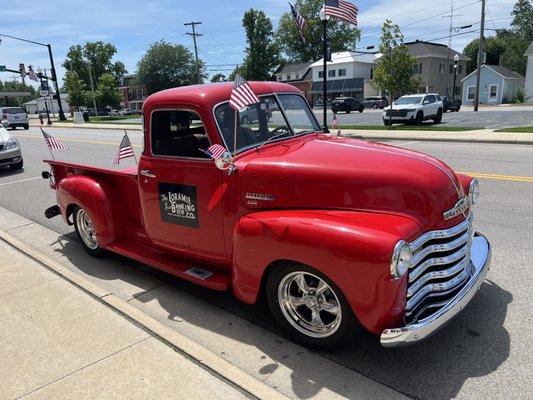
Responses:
[309,304]
[86,229]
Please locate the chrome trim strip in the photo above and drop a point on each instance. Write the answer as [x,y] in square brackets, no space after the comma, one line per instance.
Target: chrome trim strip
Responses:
[438,248]
[442,233]
[480,261]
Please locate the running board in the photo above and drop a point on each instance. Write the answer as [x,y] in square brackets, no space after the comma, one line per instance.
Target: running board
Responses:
[201,274]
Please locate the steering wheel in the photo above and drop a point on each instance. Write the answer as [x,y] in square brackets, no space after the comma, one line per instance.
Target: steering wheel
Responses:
[280,128]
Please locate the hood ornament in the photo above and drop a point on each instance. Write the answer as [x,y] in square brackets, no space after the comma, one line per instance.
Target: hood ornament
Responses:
[460,208]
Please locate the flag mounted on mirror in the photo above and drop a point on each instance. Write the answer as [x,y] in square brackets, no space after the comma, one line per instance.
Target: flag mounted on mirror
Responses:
[299,20]
[53,143]
[343,10]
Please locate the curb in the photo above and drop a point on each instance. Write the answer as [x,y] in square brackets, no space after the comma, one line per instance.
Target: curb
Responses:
[445,140]
[177,341]
[94,126]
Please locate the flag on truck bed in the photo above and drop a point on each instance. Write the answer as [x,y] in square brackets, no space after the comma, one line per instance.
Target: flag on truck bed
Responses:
[242,94]
[300,21]
[125,150]
[342,10]
[53,143]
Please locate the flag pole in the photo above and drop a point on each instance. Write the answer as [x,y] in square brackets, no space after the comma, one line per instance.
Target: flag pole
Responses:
[235,133]
[324,19]
[134,156]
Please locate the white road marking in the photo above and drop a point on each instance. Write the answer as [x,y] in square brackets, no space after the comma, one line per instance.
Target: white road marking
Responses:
[21,180]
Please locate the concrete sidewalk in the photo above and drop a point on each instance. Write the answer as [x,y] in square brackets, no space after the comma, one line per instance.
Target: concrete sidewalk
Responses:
[474,136]
[58,342]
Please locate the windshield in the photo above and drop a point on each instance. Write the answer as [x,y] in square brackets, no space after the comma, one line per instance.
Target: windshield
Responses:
[265,121]
[14,110]
[409,100]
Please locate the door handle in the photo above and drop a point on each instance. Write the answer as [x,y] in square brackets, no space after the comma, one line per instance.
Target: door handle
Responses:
[147,173]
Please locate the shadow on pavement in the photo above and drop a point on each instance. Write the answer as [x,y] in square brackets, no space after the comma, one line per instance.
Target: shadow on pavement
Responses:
[472,345]
[7,171]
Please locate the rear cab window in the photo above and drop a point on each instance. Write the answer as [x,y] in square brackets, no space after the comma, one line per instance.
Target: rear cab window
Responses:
[13,110]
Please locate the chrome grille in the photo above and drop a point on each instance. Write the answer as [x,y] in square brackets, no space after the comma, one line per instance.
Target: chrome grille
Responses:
[440,267]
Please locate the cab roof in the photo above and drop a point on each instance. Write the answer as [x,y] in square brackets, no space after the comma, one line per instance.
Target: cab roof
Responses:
[209,95]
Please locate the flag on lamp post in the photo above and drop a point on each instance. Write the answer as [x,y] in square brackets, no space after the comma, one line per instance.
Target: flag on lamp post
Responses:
[342,10]
[300,21]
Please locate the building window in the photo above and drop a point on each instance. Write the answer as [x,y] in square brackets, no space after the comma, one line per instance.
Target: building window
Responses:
[288,77]
[371,73]
[342,72]
[332,73]
[471,93]
[442,67]
[320,74]
[280,77]
[418,68]
[297,76]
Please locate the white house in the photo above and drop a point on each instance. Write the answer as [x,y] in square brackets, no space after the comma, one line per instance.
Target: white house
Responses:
[347,71]
[529,74]
[38,105]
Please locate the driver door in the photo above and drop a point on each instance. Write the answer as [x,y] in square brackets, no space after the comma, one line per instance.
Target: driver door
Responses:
[181,187]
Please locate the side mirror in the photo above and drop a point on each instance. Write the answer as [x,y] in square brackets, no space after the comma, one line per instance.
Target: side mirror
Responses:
[425,102]
[225,162]
[5,123]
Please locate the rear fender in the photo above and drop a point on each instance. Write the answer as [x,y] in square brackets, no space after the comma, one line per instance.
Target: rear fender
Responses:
[353,249]
[98,198]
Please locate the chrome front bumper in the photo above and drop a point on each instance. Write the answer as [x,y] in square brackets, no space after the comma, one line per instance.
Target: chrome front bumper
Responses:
[409,334]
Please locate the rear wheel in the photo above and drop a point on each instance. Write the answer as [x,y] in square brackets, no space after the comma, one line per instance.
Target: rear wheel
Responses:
[310,308]
[386,122]
[26,127]
[361,109]
[419,118]
[86,232]
[438,120]
[348,111]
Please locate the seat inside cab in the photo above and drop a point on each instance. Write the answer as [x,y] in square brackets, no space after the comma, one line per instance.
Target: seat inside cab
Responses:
[178,133]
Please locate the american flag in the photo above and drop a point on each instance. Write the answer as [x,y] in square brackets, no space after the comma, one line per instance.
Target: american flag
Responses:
[53,143]
[32,75]
[215,151]
[342,10]
[124,150]
[300,21]
[242,94]
[335,124]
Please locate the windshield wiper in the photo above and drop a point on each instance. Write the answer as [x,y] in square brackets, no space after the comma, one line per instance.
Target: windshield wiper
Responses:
[270,139]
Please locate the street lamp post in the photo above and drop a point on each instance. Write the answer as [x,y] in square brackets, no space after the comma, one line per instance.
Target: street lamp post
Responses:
[455,61]
[325,19]
[92,86]
[53,70]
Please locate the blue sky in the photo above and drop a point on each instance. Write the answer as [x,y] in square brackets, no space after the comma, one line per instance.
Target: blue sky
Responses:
[132,25]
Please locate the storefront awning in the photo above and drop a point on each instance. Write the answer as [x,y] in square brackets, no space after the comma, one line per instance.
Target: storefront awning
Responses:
[339,85]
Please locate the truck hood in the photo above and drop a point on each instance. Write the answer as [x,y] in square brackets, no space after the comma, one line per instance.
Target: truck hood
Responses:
[325,172]
[404,106]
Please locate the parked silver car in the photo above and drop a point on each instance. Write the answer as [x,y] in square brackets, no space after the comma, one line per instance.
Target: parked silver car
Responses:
[16,117]
[10,154]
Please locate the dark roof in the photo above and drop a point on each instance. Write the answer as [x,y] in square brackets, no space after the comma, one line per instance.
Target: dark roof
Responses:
[529,51]
[420,48]
[505,72]
[290,68]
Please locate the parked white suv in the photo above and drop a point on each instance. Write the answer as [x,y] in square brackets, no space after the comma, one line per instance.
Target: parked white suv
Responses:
[414,108]
[9,148]
[16,117]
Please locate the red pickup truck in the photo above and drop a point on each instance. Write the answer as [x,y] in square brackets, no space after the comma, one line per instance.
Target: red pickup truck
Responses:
[338,234]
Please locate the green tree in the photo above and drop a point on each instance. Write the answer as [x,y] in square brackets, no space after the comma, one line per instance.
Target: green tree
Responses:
[494,47]
[394,73]
[17,87]
[100,57]
[166,66]
[262,53]
[343,36]
[107,93]
[218,78]
[523,19]
[75,89]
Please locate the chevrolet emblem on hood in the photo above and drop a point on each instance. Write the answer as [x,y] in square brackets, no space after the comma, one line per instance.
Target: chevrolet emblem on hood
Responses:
[459,208]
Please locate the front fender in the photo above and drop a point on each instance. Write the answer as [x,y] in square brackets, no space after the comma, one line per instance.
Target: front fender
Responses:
[352,248]
[96,197]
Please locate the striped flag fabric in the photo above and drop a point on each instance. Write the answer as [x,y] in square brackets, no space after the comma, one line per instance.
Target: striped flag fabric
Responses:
[215,151]
[53,143]
[300,21]
[342,10]
[32,75]
[242,94]
[125,150]
[335,124]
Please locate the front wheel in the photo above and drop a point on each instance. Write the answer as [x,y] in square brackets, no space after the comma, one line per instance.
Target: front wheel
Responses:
[310,308]
[17,166]
[26,127]
[86,232]
[438,120]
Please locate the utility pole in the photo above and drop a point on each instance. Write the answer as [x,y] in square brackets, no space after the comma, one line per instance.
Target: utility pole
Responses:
[194,35]
[480,54]
[92,87]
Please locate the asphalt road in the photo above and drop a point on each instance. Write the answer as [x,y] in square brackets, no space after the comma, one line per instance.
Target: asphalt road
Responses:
[484,353]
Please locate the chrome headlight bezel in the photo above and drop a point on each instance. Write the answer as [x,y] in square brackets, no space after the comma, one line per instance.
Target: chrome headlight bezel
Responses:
[473,191]
[12,143]
[401,259]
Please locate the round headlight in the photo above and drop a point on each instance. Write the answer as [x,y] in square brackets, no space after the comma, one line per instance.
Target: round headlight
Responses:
[473,193]
[401,259]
